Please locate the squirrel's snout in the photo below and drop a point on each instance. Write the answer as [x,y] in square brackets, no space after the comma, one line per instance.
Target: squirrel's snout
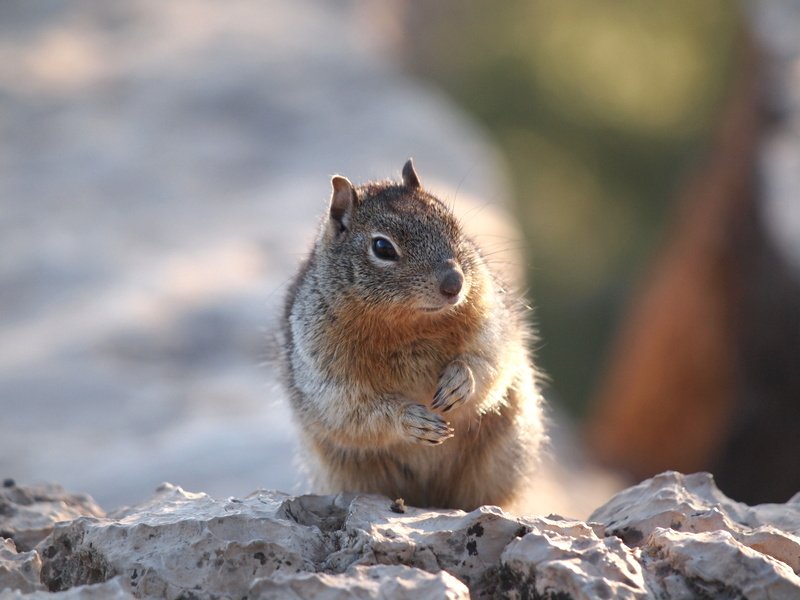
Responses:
[451,281]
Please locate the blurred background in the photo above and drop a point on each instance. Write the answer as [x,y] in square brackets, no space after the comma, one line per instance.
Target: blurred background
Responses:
[163,167]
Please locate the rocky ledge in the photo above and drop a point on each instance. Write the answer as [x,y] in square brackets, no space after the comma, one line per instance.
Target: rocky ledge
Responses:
[672,536]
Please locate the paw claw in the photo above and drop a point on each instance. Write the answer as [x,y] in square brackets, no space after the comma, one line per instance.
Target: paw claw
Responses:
[456,386]
[423,426]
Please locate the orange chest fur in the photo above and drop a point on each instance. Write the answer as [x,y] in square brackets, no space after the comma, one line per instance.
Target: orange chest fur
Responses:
[392,355]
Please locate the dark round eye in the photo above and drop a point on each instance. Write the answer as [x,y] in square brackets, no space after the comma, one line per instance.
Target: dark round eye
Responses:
[384,249]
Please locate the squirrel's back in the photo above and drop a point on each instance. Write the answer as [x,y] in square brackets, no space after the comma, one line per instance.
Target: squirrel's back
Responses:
[393,324]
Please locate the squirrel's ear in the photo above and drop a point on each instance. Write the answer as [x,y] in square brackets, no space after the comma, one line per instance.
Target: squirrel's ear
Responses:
[410,179]
[343,199]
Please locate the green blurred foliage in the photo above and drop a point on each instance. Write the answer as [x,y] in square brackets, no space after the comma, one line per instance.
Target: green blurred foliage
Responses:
[599,106]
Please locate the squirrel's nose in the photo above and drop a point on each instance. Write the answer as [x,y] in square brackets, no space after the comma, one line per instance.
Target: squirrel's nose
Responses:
[450,282]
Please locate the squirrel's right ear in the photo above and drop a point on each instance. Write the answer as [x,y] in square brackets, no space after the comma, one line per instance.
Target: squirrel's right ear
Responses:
[410,178]
[343,199]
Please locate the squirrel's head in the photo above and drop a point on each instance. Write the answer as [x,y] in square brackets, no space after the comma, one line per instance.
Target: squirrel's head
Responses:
[396,245]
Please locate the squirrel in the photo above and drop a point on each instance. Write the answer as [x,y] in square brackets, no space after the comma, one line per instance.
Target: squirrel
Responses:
[393,324]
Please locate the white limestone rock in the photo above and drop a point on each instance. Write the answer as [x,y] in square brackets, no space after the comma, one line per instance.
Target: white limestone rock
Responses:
[180,543]
[713,564]
[19,570]
[27,514]
[693,504]
[109,590]
[562,557]
[385,582]
[464,544]
[672,536]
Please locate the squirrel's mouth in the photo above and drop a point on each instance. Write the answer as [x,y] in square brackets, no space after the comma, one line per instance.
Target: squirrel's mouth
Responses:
[445,306]
[433,309]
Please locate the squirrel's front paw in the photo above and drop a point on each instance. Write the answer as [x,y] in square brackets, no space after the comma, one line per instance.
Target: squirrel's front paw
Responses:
[423,426]
[456,386]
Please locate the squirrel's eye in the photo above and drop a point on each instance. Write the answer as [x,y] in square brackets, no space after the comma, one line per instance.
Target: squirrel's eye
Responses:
[384,249]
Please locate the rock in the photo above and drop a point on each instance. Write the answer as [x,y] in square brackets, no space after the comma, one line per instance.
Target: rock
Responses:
[692,503]
[673,536]
[181,543]
[110,590]
[27,514]
[393,582]
[713,564]
[553,559]
[464,544]
[19,570]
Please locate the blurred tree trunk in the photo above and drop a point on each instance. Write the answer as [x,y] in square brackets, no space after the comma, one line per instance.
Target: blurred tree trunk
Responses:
[705,374]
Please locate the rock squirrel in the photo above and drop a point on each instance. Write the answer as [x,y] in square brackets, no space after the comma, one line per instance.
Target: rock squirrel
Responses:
[394,323]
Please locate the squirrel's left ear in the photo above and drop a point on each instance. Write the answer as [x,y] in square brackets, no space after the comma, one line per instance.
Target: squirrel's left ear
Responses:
[410,179]
[343,199]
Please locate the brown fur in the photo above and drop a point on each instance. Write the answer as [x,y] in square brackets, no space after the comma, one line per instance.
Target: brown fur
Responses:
[371,374]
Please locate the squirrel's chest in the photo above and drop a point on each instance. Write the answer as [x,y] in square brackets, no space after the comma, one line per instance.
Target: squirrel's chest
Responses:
[411,365]
[385,363]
